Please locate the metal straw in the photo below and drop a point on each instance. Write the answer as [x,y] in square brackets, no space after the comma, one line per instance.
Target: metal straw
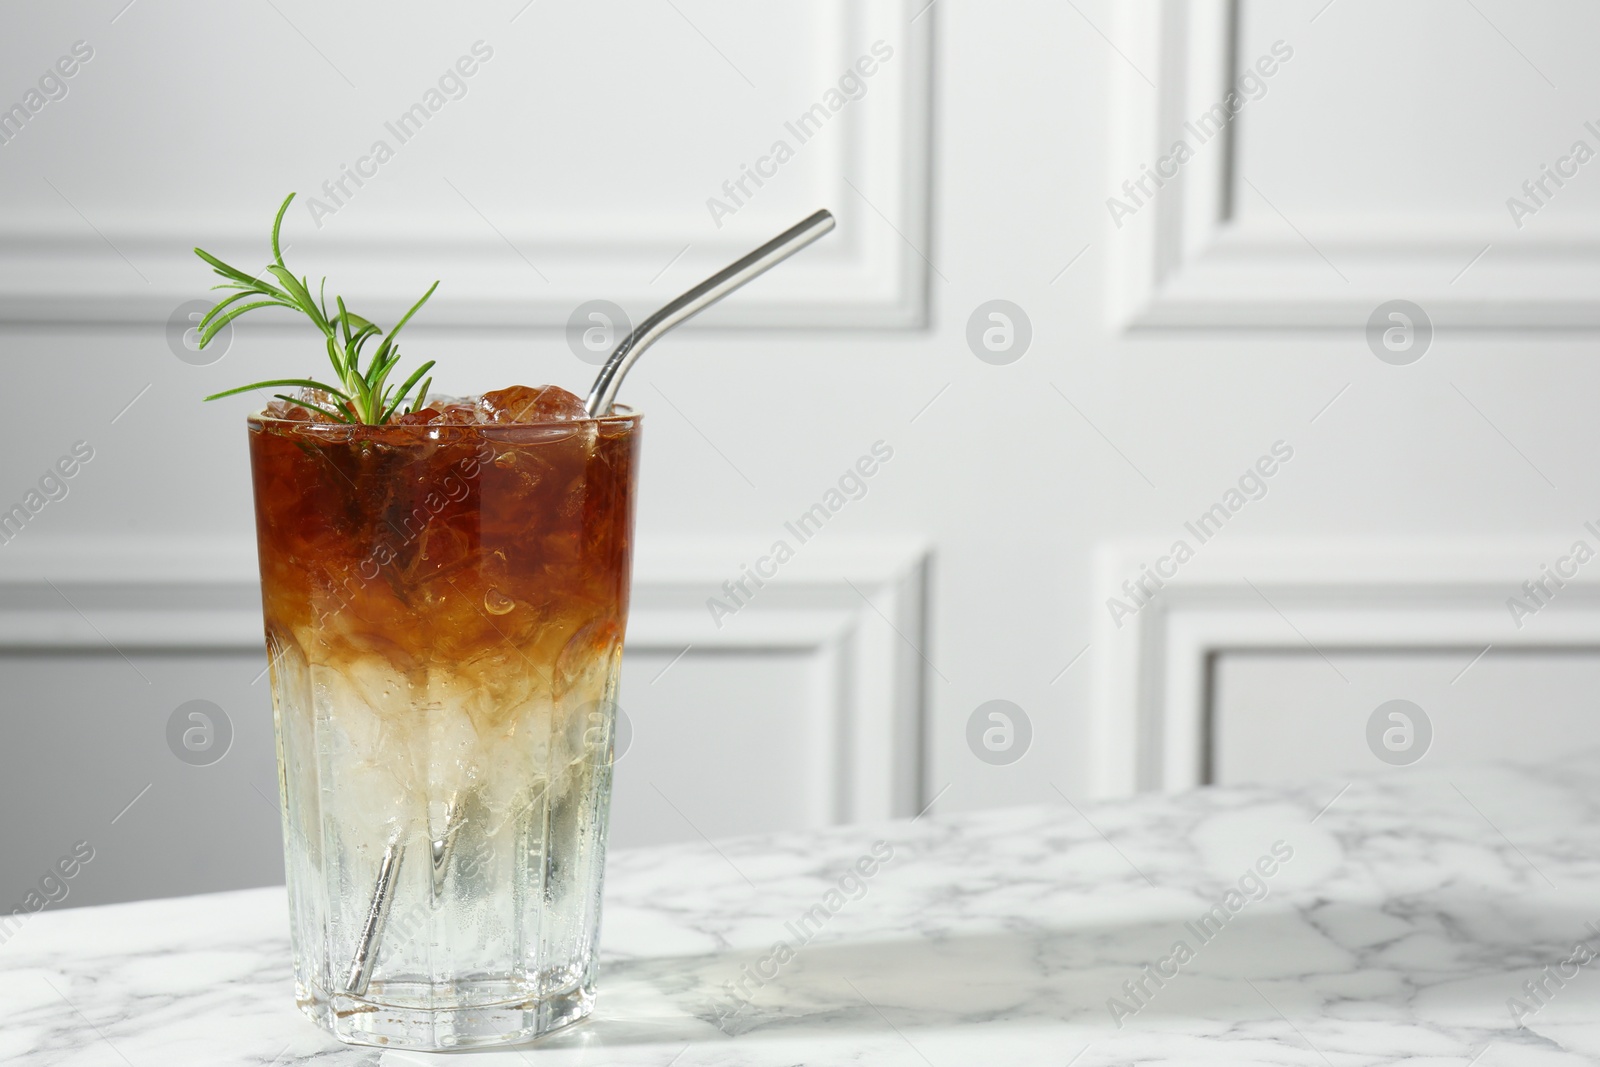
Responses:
[377,914]
[601,397]
[696,300]
[443,845]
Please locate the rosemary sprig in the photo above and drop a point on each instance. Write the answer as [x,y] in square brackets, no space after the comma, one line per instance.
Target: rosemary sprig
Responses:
[363,394]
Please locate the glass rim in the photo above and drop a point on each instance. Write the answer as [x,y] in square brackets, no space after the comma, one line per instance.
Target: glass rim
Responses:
[620,414]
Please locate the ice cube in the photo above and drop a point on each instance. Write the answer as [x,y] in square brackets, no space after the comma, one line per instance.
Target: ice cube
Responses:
[454,411]
[283,409]
[526,403]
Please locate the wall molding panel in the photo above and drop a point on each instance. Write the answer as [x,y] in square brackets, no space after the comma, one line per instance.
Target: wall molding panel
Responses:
[1182,263]
[872,172]
[1149,712]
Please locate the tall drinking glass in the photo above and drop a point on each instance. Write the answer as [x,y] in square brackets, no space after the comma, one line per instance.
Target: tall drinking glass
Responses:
[444,609]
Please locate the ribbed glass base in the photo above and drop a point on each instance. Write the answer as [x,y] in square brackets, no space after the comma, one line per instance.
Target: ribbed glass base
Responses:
[497,1015]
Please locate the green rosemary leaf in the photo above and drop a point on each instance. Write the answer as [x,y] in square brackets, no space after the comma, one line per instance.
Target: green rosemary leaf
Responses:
[404,391]
[337,359]
[379,370]
[406,388]
[301,296]
[222,305]
[225,270]
[307,383]
[232,313]
[388,342]
[277,224]
[365,397]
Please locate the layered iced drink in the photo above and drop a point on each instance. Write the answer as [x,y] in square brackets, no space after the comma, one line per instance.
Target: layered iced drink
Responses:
[445,598]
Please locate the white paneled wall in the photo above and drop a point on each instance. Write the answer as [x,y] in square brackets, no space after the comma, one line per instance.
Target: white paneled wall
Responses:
[1284,716]
[973,152]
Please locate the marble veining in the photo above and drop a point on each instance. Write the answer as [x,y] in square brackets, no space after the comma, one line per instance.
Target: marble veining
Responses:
[1420,917]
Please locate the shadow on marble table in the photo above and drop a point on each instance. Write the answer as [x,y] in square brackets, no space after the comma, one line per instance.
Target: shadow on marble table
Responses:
[1440,960]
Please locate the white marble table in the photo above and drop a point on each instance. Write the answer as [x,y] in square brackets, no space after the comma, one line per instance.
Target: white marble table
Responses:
[1401,929]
